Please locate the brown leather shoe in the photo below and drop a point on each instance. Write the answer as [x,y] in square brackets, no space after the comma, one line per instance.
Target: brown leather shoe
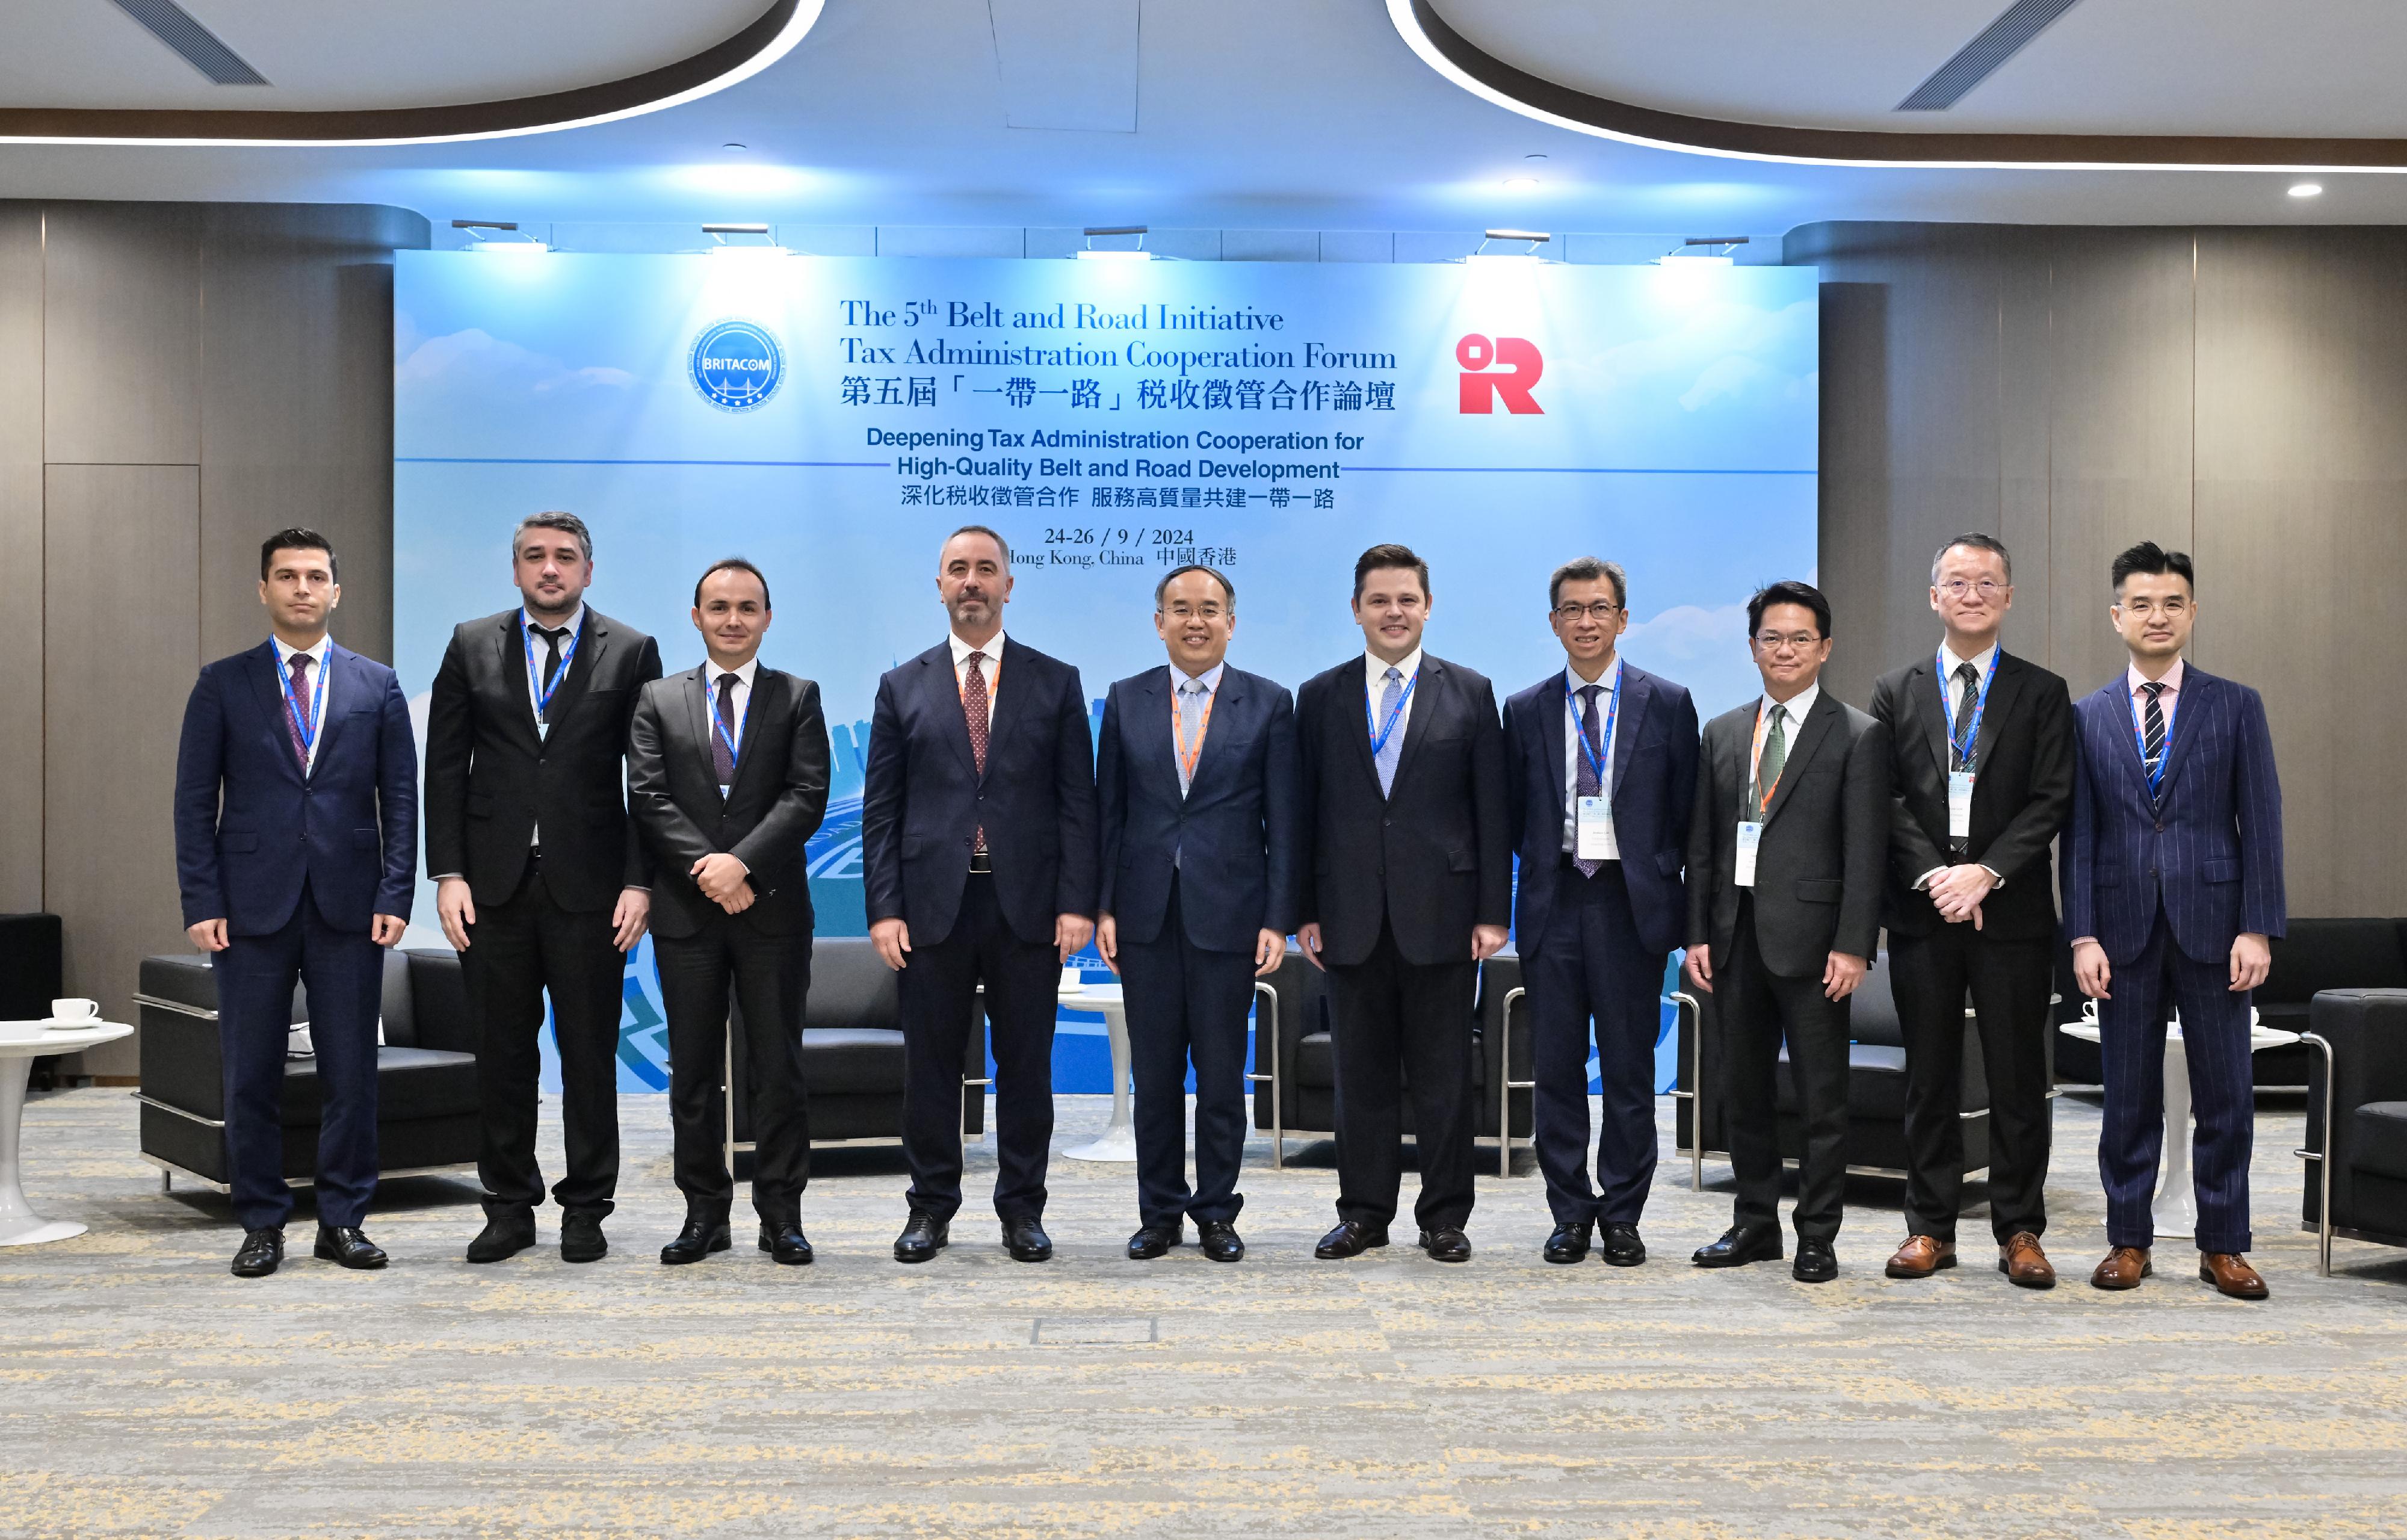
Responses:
[2123,1268]
[2025,1265]
[1921,1256]
[2230,1274]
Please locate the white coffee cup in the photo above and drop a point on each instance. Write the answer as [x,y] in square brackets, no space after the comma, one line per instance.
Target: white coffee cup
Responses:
[75,1011]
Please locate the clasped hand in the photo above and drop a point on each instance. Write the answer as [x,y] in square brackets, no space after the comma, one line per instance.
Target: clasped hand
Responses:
[1956,892]
[721,878]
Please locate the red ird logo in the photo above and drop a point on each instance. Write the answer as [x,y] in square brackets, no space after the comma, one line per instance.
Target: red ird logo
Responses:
[1521,366]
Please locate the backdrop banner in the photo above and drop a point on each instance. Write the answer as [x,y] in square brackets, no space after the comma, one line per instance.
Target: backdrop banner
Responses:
[833,418]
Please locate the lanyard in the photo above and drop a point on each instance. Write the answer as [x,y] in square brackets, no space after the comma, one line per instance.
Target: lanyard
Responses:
[1601,760]
[719,729]
[1379,735]
[1961,745]
[543,694]
[1187,757]
[2155,771]
[317,722]
[1755,767]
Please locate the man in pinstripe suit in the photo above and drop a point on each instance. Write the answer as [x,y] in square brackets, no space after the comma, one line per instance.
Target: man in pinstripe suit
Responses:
[2172,888]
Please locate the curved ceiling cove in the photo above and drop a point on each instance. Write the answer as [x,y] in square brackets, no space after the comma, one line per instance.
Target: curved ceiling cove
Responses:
[2154,84]
[396,79]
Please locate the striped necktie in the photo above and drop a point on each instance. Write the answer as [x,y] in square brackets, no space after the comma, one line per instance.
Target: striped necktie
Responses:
[2152,736]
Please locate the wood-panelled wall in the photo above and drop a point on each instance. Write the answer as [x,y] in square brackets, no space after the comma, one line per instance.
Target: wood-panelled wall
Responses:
[2238,393]
[177,380]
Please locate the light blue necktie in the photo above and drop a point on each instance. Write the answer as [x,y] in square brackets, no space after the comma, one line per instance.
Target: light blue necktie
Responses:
[1394,748]
[1191,721]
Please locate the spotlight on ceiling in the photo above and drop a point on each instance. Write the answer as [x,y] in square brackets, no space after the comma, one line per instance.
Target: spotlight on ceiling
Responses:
[481,241]
[2307,189]
[750,240]
[1115,253]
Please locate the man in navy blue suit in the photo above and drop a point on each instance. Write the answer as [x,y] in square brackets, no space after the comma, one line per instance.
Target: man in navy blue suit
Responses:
[1600,777]
[1198,780]
[296,836]
[977,848]
[2172,889]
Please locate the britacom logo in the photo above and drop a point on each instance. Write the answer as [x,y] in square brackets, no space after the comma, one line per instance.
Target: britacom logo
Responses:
[736,366]
[1493,368]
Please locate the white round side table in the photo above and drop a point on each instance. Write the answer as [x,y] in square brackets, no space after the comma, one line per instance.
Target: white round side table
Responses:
[20,1044]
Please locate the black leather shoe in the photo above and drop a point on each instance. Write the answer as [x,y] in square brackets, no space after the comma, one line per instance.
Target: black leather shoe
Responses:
[1219,1240]
[1815,1262]
[1153,1240]
[350,1248]
[581,1239]
[1026,1240]
[504,1235]
[786,1244]
[261,1253]
[1351,1239]
[1445,1245]
[923,1235]
[1568,1242]
[1621,1246]
[700,1237]
[1737,1248]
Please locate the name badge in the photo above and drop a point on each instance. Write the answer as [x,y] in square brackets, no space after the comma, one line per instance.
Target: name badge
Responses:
[1593,825]
[1750,835]
[1959,805]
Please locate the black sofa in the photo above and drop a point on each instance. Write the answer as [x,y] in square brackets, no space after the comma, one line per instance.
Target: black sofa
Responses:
[426,1072]
[2357,1120]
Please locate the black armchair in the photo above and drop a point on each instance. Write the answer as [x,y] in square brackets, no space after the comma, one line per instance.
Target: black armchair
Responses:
[2357,1120]
[2315,956]
[426,1072]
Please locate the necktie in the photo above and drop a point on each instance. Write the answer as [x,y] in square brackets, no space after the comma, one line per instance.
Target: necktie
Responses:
[1190,724]
[1587,782]
[1768,765]
[974,713]
[298,718]
[1393,749]
[1960,744]
[551,640]
[722,743]
[2152,734]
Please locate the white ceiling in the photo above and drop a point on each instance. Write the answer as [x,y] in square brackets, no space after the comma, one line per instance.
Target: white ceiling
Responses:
[1254,114]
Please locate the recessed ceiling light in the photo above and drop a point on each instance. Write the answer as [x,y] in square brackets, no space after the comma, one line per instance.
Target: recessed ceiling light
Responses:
[2307,189]
[1520,184]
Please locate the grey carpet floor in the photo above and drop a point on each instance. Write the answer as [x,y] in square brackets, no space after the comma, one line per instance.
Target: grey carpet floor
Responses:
[147,1393]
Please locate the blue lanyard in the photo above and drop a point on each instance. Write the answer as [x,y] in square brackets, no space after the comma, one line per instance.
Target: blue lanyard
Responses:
[317,722]
[2153,769]
[1963,744]
[1379,735]
[719,729]
[1600,761]
[542,692]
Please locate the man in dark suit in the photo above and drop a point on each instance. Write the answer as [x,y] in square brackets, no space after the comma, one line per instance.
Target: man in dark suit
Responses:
[541,880]
[1412,861]
[1786,851]
[1980,785]
[1601,771]
[2172,892]
[977,848]
[296,834]
[727,778]
[1197,779]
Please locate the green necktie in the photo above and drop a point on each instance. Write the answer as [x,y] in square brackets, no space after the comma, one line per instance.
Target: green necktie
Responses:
[1776,755]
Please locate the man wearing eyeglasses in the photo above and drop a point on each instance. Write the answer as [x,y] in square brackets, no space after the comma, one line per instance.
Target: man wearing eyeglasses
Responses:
[2172,892]
[1981,784]
[1601,777]
[1786,849]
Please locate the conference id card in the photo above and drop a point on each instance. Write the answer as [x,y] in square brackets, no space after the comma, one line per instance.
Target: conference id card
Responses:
[1750,835]
[1959,805]
[1592,824]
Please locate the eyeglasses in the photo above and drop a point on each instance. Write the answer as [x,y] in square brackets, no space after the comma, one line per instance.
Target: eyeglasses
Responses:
[1956,588]
[1773,641]
[2173,605]
[1601,610]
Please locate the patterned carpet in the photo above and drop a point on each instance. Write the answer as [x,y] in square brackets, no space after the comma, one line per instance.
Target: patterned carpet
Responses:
[152,1394]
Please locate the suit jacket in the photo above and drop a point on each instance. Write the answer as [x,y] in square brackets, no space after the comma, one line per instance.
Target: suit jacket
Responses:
[1819,867]
[924,799]
[1654,791]
[490,773]
[250,831]
[2022,795]
[775,804]
[1435,856]
[1233,833]
[2210,852]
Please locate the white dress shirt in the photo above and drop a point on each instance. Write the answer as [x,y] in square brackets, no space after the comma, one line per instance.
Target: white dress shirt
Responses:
[740,706]
[1374,675]
[527,624]
[990,666]
[1796,707]
[1949,687]
[1573,750]
[317,688]
[1179,680]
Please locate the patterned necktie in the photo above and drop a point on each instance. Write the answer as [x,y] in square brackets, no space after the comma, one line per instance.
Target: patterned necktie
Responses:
[1587,782]
[722,743]
[1393,749]
[1769,765]
[298,718]
[975,711]
[1190,724]
[1959,743]
[551,640]
[2152,735]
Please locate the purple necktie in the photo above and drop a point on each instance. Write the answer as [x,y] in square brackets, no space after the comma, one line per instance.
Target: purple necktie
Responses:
[722,743]
[298,718]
